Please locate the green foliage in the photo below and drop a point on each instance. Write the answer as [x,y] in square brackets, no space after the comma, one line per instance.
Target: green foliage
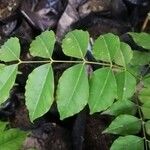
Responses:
[147,126]
[142,39]
[105,47]
[72,91]
[128,142]
[10,51]
[11,138]
[124,125]
[103,90]
[126,84]
[7,79]
[140,58]
[109,89]
[121,107]
[40,98]
[124,55]
[43,45]
[75,44]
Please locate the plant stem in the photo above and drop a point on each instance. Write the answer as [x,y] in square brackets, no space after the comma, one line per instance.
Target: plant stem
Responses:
[70,61]
[67,61]
[34,62]
[143,124]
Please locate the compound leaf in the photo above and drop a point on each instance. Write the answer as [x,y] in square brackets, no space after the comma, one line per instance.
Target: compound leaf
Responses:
[39,91]
[142,39]
[124,125]
[12,139]
[123,55]
[105,47]
[10,51]
[103,90]
[126,84]
[43,45]
[72,91]
[7,80]
[121,107]
[128,142]
[75,43]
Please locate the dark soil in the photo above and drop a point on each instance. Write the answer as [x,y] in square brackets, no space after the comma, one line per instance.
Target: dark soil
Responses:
[28,18]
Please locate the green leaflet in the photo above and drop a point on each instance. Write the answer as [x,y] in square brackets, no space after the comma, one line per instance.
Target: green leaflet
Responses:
[147,127]
[146,109]
[126,84]
[7,80]
[147,81]
[144,95]
[43,45]
[124,125]
[39,91]
[140,58]
[123,55]
[145,112]
[121,107]
[72,91]
[103,90]
[134,70]
[75,43]
[10,51]
[105,47]
[142,39]
[12,139]
[129,142]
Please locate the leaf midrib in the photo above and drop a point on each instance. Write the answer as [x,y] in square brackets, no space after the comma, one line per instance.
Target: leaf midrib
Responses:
[107,48]
[123,126]
[39,96]
[74,89]
[11,51]
[78,45]
[8,77]
[102,89]
[43,43]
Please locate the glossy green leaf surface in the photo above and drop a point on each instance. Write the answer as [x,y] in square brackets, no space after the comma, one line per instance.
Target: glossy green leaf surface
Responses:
[144,95]
[12,139]
[10,51]
[72,91]
[121,107]
[142,39]
[105,47]
[129,142]
[126,84]
[124,125]
[75,43]
[147,127]
[103,90]
[140,58]
[7,80]
[123,55]
[43,45]
[39,91]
